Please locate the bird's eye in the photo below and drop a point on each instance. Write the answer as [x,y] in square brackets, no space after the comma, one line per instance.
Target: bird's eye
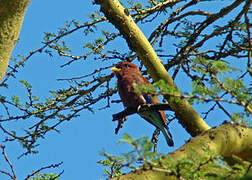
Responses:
[127,66]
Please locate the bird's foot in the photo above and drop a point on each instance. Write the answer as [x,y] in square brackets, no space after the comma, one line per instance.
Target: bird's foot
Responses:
[154,139]
[120,124]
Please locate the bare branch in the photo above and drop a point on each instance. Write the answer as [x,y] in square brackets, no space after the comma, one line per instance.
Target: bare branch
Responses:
[13,175]
[44,168]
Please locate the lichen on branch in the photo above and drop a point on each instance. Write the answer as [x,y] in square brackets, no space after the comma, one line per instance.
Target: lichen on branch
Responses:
[11,20]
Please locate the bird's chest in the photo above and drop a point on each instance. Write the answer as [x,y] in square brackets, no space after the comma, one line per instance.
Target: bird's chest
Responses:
[126,83]
[126,90]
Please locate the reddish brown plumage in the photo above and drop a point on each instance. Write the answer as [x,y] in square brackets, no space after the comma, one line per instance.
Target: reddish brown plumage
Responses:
[127,75]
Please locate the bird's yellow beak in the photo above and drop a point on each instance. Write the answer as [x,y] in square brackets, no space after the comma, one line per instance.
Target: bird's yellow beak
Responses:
[114,69]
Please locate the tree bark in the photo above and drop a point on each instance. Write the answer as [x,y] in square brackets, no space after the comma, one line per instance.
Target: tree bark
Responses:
[226,140]
[12,13]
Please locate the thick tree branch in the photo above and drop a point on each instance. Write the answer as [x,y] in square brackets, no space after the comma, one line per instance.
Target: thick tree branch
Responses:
[136,40]
[11,20]
[226,140]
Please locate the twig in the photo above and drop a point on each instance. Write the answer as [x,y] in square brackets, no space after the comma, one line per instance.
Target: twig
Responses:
[46,167]
[13,175]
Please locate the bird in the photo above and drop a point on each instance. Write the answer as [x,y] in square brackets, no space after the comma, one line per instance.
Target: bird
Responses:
[128,76]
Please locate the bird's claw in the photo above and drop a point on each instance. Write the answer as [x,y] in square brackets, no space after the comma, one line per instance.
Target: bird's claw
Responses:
[120,124]
[154,139]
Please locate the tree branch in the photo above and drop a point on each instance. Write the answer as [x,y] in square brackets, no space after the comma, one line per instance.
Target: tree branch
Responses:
[13,174]
[11,20]
[121,117]
[226,140]
[142,108]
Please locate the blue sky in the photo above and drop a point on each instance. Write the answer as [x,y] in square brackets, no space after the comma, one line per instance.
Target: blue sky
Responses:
[80,140]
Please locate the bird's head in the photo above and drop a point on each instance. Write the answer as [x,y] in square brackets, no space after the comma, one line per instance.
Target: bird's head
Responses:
[124,67]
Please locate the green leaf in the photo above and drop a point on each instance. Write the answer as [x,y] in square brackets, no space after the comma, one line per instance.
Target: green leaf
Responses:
[126,138]
[26,84]
[2,98]
[16,100]
[144,89]
[165,89]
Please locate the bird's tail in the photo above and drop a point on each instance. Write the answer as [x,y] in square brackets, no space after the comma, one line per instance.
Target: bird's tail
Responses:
[168,136]
[155,119]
